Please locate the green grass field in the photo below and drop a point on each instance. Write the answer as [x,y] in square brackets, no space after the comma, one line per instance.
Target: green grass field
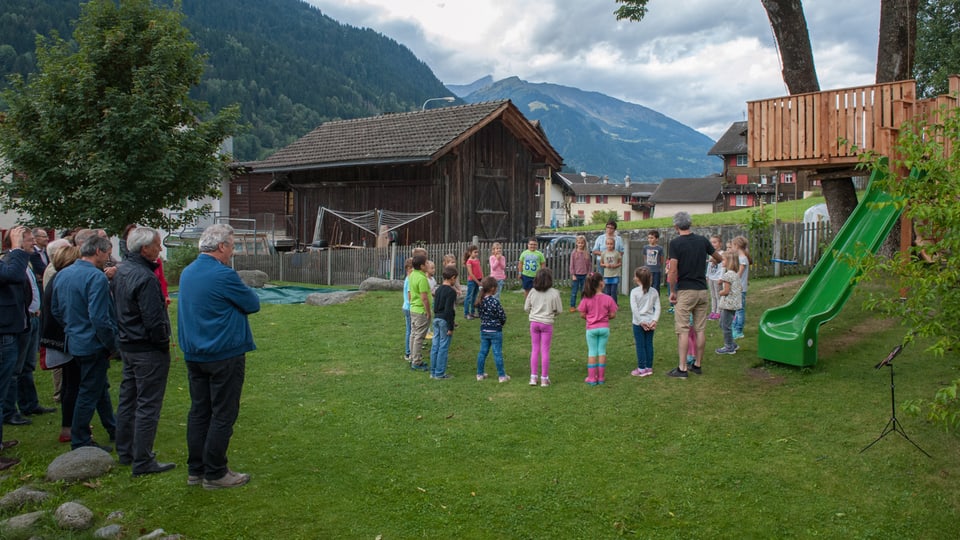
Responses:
[344,441]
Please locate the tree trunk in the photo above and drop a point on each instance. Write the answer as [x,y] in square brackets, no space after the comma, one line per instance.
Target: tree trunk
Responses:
[793,41]
[841,198]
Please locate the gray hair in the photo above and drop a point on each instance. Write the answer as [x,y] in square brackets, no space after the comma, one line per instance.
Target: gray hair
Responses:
[92,244]
[82,236]
[57,245]
[215,235]
[682,221]
[140,237]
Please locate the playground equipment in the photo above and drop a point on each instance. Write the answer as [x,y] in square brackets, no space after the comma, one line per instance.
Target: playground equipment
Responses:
[827,131]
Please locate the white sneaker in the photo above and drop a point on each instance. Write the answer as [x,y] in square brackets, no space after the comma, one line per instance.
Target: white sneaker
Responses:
[544,382]
[505,378]
[534,380]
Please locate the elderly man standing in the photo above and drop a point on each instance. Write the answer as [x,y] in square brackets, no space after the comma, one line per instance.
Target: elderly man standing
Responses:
[143,327]
[688,274]
[215,337]
[81,303]
[13,317]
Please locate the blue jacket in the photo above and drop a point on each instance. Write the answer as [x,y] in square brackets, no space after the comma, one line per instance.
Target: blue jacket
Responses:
[212,308]
[13,301]
[81,302]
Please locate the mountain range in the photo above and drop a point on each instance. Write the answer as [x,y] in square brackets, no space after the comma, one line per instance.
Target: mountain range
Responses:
[290,67]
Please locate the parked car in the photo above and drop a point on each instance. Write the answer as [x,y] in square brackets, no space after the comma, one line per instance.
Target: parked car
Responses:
[555,245]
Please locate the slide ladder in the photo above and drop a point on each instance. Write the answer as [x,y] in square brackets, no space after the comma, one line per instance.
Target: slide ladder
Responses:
[788,334]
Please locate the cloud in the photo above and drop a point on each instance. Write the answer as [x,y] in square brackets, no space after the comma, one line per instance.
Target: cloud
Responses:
[696,61]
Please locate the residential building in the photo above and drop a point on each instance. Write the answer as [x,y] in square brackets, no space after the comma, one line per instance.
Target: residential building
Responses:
[580,195]
[692,195]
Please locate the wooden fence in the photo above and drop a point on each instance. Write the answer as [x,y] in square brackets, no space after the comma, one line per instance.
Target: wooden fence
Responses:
[785,249]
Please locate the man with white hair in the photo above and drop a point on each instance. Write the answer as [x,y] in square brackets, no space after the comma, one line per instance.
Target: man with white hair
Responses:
[215,336]
[143,327]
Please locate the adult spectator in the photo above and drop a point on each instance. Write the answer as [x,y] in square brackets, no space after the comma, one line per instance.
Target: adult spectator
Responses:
[66,373]
[39,259]
[81,303]
[215,336]
[600,244]
[52,249]
[688,275]
[143,327]
[22,391]
[13,317]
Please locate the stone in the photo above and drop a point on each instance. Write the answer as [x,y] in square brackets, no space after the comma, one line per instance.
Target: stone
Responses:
[73,515]
[329,298]
[110,531]
[155,535]
[22,522]
[378,284]
[80,464]
[254,278]
[21,496]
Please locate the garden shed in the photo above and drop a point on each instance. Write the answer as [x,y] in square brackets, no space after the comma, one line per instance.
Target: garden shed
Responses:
[479,168]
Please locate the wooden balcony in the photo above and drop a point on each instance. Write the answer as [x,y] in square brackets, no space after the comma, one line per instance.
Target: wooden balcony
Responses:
[827,129]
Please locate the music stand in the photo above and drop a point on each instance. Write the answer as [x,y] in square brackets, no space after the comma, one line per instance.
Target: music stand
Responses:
[893,425]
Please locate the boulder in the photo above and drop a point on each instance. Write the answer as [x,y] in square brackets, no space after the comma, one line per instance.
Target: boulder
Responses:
[21,496]
[254,278]
[329,298]
[109,531]
[378,284]
[73,515]
[80,464]
[21,522]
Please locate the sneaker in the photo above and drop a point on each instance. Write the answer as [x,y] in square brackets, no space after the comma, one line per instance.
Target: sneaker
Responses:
[691,359]
[736,346]
[737,335]
[482,376]
[429,336]
[696,369]
[646,372]
[534,380]
[193,480]
[442,377]
[637,372]
[544,382]
[714,316]
[505,378]
[418,366]
[573,310]
[7,462]
[725,350]
[407,359]
[229,480]
[670,310]
[675,372]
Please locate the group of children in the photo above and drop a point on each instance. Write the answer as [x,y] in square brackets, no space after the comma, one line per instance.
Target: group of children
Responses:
[542,302]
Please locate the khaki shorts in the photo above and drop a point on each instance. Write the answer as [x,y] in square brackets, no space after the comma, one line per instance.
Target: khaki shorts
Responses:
[689,301]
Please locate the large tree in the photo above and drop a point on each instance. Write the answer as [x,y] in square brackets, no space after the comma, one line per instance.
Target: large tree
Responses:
[894,62]
[104,133]
[938,45]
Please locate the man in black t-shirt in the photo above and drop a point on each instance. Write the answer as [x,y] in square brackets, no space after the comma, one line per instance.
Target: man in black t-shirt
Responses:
[688,275]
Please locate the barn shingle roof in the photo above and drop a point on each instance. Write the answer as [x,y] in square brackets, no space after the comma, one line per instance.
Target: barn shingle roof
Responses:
[733,141]
[410,137]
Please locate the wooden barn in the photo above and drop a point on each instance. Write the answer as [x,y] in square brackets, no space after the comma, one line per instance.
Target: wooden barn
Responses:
[476,168]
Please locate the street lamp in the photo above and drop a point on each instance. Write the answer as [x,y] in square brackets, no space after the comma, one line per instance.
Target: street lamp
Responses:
[448,99]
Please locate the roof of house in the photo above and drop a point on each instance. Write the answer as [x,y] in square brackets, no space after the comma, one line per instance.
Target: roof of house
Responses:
[594,185]
[733,141]
[410,137]
[688,190]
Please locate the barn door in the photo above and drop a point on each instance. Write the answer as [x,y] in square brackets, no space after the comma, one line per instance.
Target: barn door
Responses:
[493,203]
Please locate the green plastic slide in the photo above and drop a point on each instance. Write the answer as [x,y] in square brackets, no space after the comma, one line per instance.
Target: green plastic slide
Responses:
[788,334]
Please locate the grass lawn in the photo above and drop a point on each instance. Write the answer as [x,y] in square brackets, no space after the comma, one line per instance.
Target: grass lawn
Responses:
[344,441]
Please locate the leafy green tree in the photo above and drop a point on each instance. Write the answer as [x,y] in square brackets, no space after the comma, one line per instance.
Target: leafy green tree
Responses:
[601,217]
[105,133]
[930,271]
[938,45]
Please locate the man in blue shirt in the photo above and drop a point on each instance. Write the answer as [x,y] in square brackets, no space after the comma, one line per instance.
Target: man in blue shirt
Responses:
[81,302]
[215,337]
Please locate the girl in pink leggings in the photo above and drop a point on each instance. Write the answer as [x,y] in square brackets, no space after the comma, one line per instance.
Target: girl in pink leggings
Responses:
[543,304]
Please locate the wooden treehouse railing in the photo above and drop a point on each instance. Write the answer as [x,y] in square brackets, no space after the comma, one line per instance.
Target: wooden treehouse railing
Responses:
[828,129]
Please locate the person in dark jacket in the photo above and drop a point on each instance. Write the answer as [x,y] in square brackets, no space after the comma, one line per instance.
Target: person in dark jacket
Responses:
[143,329]
[13,316]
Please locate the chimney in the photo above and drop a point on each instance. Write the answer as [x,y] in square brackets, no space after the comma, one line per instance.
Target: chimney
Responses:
[606,179]
[626,180]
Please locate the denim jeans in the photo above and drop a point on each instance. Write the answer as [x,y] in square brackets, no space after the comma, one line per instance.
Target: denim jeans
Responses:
[610,289]
[9,349]
[500,283]
[406,341]
[576,285]
[439,348]
[726,324]
[214,406]
[488,340]
[138,408]
[93,384]
[23,391]
[741,314]
[643,340]
[468,307]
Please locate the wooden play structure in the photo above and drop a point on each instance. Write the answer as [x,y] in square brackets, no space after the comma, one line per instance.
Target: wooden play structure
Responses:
[826,131]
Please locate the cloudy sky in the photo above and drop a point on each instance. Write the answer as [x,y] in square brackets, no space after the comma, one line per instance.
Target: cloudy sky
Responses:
[697,61]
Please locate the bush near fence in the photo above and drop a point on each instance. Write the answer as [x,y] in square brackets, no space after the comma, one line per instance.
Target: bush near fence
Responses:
[799,242]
